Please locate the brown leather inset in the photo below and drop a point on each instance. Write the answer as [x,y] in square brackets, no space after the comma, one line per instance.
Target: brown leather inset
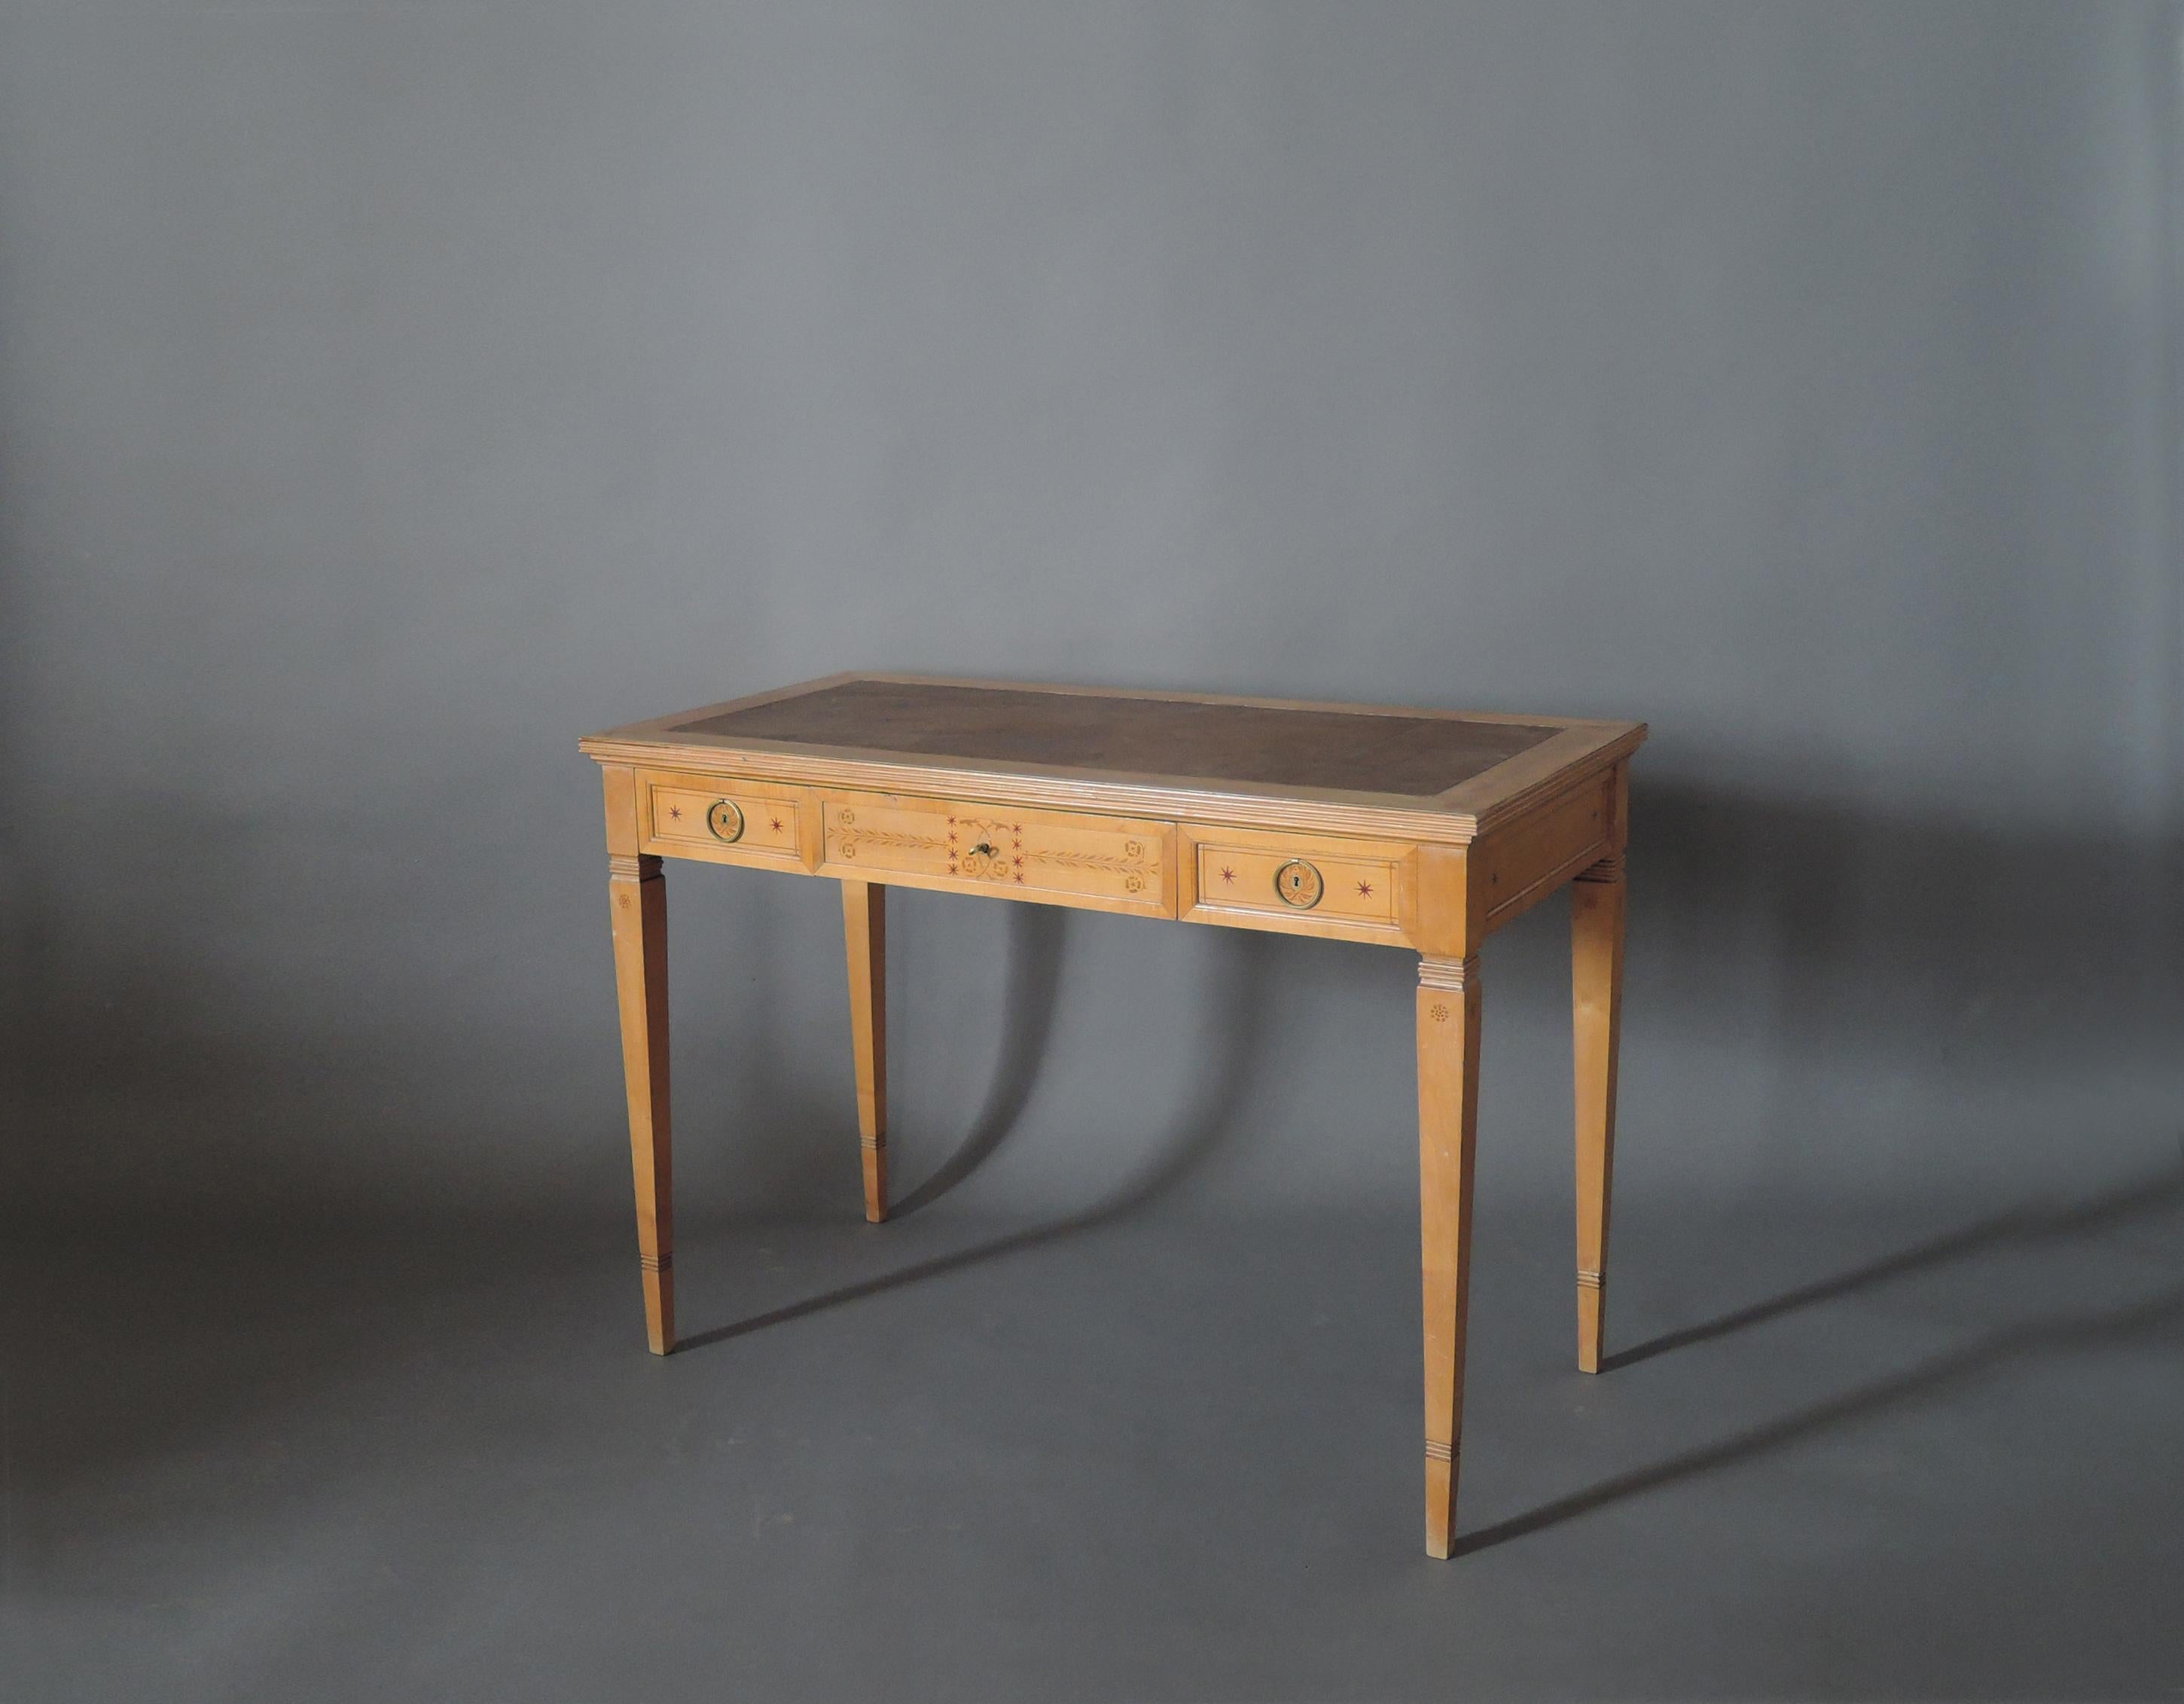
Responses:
[1173,738]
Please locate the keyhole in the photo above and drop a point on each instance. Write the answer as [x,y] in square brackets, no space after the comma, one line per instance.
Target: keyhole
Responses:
[1297,883]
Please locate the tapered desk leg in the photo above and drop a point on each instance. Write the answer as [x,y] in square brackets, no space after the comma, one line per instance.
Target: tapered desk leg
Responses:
[1596,911]
[864,917]
[639,909]
[1448,1116]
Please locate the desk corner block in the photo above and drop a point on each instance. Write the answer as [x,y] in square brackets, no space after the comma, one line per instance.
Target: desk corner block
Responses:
[1608,869]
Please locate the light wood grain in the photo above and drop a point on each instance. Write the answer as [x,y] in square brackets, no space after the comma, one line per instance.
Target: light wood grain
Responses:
[1598,901]
[1527,859]
[1448,1014]
[1228,877]
[1436,874]
[1075,858]
[636,895]
[864,915]
[1581,746]
[676,811]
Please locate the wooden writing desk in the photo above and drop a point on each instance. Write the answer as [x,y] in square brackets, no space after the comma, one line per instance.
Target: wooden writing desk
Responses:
[1422,829]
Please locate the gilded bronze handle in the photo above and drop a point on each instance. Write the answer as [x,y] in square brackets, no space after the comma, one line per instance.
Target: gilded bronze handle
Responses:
[725,820]
[1298,884]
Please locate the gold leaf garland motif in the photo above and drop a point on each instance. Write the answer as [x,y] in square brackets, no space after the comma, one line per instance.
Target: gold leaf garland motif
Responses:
[1130,864]
[992,850]
[847,837]
[846,844]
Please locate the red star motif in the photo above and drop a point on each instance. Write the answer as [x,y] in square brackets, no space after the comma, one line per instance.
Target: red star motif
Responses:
[1227,874]
[675,811]
[1364,888]
[776,825]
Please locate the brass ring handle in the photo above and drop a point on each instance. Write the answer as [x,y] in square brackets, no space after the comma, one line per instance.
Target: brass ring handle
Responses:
[1298,884]
[725,820]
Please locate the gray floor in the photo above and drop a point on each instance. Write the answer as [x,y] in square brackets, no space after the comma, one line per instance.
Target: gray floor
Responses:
[1933,1454]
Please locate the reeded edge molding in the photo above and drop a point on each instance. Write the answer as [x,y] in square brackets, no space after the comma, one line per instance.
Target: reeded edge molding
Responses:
[1587,1278]
[1454,974]
[1397,820]
[1438,1451]
[875,1143]
[1550,782]
[633,867]
[1607,869]
[658,1263]
[1463,813]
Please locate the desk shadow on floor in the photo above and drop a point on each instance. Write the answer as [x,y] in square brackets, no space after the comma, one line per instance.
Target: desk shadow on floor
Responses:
[1032,979]
[2031,1225]
[1234,1014]
[2140,1320]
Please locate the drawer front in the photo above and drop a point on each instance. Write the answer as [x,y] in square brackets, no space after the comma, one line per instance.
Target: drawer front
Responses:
[725,820]
[1108,863]
[1296,884]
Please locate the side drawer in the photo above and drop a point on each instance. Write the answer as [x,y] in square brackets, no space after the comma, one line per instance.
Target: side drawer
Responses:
[1106,863]
[721,818]
[1300,884]
[1533,857]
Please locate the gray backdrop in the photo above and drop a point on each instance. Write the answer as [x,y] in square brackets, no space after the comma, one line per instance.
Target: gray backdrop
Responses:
[391,392]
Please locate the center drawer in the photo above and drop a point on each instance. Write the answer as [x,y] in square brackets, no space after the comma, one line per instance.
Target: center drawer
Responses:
[1106,863]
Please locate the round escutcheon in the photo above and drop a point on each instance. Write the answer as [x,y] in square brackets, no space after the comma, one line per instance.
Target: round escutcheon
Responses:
[1299,884]
[726,821]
